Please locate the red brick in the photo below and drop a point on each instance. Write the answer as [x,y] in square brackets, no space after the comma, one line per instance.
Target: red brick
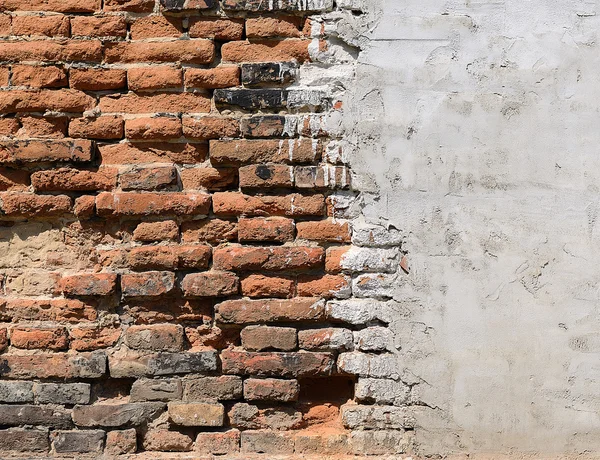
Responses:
[108,127]
[193,257]
[158,178]
[9,126]
[153,128]
[210,127]
[156,26]
[152,103]
[60,6]
[269,311]
[97,79]
[13,180]
[53,365]
[89,338]
[74,180]
[98,26]
[277,364]
[67,310]
[3,339]
[4,76]
[271,390]
[85,206]
[154,78]
[119,442]
[212,231]
[158,337]
[219,29]
[283,26]
[64,100]
[260,338]
[167,441]
[47,51]
[85,285]
[49,127]
[296,205]
[333,258]
[5,22]
[324,231]
[266,229]
[29,205]
[326,286]
[148,284]
[219,77]
[236,152]
[152,204]
[268,286]
[30,338]
[266,176]
[185,51]
[169,258]
[134,6]
[266,51]
[269,259]
[210,284]
[213,337]
[159,152]
[156,231]
[208,178]
[49,26]
[39,76]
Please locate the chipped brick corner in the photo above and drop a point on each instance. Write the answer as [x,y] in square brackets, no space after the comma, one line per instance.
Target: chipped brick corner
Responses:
[184,265]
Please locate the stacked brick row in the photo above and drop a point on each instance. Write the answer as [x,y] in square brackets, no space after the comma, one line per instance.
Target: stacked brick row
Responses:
[198,286]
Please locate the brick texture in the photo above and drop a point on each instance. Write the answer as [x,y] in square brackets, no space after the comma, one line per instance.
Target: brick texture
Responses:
[182,273]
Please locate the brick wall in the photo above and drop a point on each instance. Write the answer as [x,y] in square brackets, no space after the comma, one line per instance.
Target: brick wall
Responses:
[183,266]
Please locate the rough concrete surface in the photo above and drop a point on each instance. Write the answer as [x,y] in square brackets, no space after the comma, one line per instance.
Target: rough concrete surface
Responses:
[475,135]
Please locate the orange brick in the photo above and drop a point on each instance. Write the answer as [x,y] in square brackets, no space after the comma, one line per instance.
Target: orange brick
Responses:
[186,51]
[324,231]
[268,286]
[39,77]
[154,103]
[153,78]
[219,29]
[49,51]
[219,77]
[326,286]
[156,26]
[266,229]
[98,26]
[208,127]
[108,127]
[49,26]
[266,51]
[97,79]
[284,26]
[153,128]
[31,338]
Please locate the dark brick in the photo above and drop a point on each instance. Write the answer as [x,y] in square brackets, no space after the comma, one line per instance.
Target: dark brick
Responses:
[278,5]
[251,99]
[116,415]
[24,440]
[268,73]
[15,415]
[156,390]
[83,441]
[62,393]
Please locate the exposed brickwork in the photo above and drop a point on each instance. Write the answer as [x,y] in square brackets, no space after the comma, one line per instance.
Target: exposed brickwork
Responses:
[184,274]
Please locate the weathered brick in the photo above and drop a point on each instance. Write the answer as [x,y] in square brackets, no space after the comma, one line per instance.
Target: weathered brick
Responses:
[160,152]
[39,76]
[250,417]
[24,440]
[180,5]
[158,337]
[267,286]
[218,77]
[16,392]
[64,100]
[227,442]
[196,414]
[217,28]
[332,231]
[47,338]
[317,443]
[326,286]
[153,128]
[279,5]
[236,152]
[210,127]
[272,364]
[374,338]
[280,26]
[154,78]
[120,442]
[370,365]
[252,99]
[156,231]
[100,79]
[222,388]
[60,6]
[266,50]
[93,284]
[259,338]
[148,178]
[149,284]
[134,6]
[125,364]
[213,231]
[85,206]
[81,441]
[266,229]
[153,103]
[167,441]
[380,442]
[108,127]
[269,311]
[268,73]
[236,258]
[50,127]
[322,177]
[184,51]
[156,26]
[53,365]
[382,391]
[14,180]
[266,176]
[155,390]
[152,204]
[210,284]
[170,258]
[269,126]
[98,26]
[15,415]
[88,338]
[116,415]
[271,390]
[267,442]
[51,51]
[326,339]
[49,26]
[208,178]
[34,151]
[67,310]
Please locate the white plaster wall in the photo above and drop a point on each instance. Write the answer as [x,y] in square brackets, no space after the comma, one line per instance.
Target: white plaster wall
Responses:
[477,134]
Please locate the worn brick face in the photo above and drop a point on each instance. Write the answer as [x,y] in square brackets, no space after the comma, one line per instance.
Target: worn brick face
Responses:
[177,256]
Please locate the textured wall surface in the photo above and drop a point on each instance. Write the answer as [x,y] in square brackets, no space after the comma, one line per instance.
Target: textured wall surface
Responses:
[179,270]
